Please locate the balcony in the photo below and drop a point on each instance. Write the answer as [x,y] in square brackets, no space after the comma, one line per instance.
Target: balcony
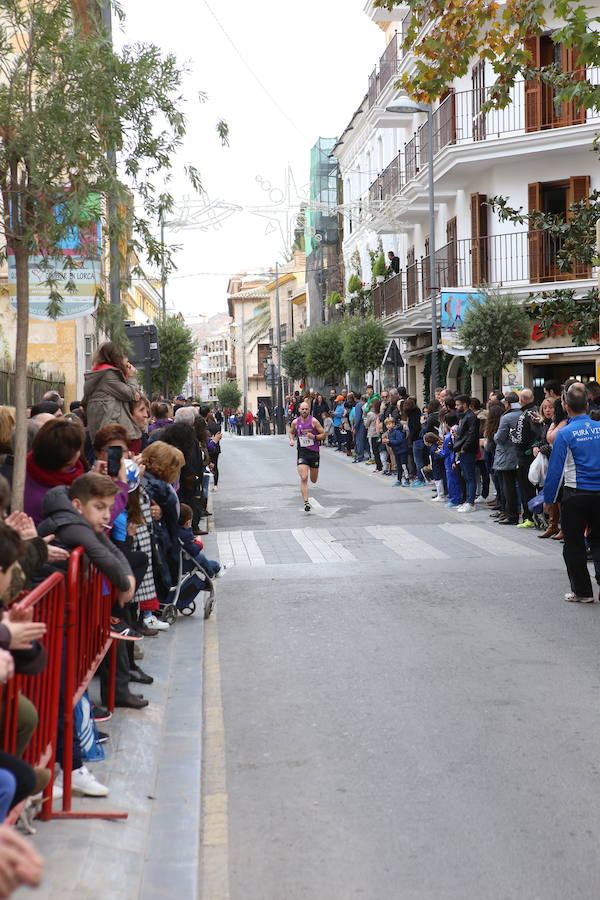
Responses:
[463,119]
[387,69]
[508,261]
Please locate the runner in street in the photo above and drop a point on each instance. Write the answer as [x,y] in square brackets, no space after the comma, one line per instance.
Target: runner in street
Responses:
[308,432]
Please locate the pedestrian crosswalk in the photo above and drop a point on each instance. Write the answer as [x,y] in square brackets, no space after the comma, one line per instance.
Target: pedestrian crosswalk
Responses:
[375,543]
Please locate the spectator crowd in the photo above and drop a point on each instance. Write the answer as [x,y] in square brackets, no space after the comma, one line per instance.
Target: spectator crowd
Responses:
[127,478]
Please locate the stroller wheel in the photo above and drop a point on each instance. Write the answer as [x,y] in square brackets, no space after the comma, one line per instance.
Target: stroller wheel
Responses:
[208,608]
[188,610]
[169,614]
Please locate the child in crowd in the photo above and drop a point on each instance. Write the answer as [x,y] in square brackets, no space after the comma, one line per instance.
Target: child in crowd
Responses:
[398,440]
[435,441]
[78,516]
[328,428]
[446,452]
[194,547]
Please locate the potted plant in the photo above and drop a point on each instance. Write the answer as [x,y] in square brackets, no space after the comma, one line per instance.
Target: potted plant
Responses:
[379,269]
[354,284]
[333,299]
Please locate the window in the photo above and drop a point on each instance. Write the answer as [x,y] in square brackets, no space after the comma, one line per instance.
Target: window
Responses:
[541,110]
[554,197]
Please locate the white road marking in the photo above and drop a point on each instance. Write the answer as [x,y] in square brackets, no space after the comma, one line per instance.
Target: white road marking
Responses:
[313,552]
[405,544]
[252,548]
[240,554]
[247,508]
[324,512]
[225,551]
[324,540]
[495,544]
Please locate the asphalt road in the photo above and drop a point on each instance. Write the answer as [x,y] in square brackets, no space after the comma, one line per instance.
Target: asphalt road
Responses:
[411,710]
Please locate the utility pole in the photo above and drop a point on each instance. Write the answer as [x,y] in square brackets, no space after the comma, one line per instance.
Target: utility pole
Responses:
[280,428]
[244,368]
[113,213]
[163,270]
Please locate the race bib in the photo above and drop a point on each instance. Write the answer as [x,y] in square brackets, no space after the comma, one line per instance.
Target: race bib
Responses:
[306,441]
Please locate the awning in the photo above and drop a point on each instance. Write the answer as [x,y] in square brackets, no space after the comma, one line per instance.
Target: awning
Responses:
[393,357]
[547,352]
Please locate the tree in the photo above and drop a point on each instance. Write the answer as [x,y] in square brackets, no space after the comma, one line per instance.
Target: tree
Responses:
[177,347]
[325,351]
[497,32]
[229,395]
[560,312]
[66,99]
[293,358]
[364,342]
[494,330]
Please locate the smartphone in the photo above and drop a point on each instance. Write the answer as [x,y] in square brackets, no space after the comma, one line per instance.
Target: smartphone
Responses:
[115,454]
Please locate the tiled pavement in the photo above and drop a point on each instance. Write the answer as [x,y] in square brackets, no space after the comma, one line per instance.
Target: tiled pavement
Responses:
[153,770]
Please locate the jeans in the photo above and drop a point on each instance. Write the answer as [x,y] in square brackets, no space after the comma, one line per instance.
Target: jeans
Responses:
[375,445]
[467,468]
[580,510]
[8,786]
[420,454]
[360,439]
[482,470]
[526,488]
[509,481]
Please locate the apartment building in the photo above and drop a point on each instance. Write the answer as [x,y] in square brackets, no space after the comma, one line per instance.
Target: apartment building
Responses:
[246,297]
[533,152]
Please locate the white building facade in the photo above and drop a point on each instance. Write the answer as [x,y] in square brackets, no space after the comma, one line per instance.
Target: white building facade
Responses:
[534,153]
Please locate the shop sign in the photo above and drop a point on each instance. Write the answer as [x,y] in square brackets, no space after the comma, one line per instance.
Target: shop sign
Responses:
[512,377]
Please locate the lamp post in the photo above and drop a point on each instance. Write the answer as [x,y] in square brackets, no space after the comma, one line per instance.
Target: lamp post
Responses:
[406,106]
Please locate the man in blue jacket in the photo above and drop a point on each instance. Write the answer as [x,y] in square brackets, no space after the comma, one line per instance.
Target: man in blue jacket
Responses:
[575,458]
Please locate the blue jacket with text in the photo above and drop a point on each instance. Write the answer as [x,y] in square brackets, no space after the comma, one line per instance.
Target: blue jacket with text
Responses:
[575,457]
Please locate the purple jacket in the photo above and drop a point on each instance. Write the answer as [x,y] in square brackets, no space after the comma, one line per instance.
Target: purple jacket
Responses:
[35,493]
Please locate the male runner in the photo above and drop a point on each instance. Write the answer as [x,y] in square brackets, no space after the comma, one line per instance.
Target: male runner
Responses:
[309,432]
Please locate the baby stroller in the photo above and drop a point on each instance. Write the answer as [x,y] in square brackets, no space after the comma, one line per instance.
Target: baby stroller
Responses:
[191,581]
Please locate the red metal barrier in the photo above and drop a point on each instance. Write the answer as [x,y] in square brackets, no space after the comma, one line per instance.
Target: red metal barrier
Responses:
[90,597]
[47,601]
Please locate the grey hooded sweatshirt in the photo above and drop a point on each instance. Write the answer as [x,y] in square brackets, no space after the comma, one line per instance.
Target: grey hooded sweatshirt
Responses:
[71,530]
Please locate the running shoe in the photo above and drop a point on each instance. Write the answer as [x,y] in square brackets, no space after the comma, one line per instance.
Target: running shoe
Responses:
[573,598]
[307,507]
[123,632]
[397,484]
[406,483]
[526,523]
[417,484]
[451,505]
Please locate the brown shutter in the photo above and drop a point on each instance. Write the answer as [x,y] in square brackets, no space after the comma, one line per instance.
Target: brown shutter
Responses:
[571,113]
[533,88]
[451,241]
[579,189]
[536,247]
[479,242]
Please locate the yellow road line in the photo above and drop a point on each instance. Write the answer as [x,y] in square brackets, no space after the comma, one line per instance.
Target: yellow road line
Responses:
[214,880]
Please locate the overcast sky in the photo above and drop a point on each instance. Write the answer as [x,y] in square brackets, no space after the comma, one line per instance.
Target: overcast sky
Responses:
[313,57]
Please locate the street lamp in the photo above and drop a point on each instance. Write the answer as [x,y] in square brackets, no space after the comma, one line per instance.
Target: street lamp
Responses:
[407,106]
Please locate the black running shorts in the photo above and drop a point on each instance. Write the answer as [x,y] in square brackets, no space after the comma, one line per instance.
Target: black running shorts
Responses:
[308,458]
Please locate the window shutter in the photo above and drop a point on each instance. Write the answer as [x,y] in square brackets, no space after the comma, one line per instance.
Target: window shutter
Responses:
[535,242]
[533,88]
[451,241]
[579,189]
[479,242]
[579,74]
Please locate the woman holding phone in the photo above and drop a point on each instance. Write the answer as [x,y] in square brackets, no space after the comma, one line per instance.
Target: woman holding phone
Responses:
[110,389]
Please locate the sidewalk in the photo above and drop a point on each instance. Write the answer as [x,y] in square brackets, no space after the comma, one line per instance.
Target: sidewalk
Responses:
[153,770]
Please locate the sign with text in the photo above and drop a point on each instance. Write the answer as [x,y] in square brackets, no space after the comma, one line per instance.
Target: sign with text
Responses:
[81,276]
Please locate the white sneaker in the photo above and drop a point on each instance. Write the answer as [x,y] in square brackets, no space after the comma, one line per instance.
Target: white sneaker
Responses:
[158,624]
[437,499]
[466,507]
[480,499]
[221,571]
[83,782]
